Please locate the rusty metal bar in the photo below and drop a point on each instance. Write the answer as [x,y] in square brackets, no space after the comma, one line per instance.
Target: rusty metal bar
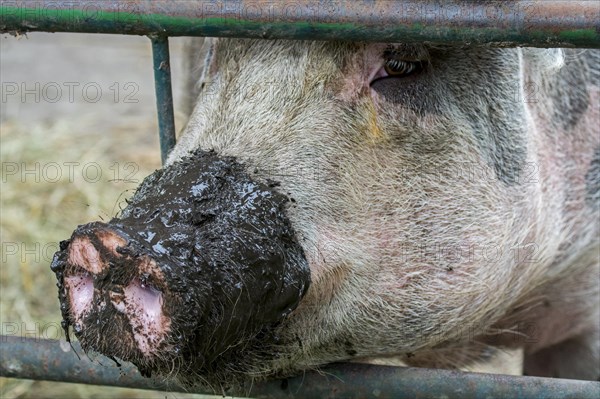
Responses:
[542,23]
[164,94]
[41,359]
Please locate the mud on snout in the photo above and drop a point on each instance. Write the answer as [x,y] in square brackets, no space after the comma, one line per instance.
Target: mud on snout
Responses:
[202,263]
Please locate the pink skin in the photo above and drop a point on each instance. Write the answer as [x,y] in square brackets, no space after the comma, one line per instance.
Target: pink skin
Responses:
[366,67]
[83,254]
[81,293]
[143,307]
[141,304]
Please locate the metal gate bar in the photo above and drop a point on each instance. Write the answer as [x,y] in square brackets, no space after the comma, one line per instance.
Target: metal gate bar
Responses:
[41,359]
[545,23]
[164,94]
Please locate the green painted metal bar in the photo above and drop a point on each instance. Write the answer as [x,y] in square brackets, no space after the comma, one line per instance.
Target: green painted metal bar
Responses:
[41,359]
[541,23]
[164,94]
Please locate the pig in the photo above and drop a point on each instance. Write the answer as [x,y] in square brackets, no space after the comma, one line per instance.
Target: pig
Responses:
[345,201]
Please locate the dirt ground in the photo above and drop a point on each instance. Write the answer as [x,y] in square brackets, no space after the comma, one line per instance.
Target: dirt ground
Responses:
[78,133]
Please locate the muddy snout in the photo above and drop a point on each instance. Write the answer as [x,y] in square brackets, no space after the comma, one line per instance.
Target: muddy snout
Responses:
[109,284]
[202,260]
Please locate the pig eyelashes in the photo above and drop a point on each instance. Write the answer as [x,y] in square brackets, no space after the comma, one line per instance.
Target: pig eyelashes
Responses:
[400,68]
[397,68]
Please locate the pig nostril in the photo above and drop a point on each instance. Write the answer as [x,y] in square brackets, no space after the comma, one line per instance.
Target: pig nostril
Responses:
[81,293]
[146,282]
[142,304]
[146,296]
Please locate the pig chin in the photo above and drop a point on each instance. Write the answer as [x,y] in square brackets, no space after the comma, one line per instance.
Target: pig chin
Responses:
[202,263]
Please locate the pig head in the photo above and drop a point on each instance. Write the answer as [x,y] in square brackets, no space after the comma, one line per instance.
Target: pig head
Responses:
[336,201]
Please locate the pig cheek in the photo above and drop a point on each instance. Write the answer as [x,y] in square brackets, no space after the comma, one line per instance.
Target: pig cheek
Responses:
[80,291]
[143,307]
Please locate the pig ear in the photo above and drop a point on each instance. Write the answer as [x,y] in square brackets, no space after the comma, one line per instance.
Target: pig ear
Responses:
[549,60]
[196,54]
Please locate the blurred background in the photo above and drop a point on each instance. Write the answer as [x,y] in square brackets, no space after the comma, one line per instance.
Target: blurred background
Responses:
[78,133]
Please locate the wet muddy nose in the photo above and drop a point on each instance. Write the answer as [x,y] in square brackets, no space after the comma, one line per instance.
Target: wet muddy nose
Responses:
[202,260]
[103,273]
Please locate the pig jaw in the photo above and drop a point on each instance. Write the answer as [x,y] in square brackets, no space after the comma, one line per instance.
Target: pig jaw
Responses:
[201,263]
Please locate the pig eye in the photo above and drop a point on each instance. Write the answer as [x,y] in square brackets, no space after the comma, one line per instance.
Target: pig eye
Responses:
[397,66]
[400,68]
[400,80]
